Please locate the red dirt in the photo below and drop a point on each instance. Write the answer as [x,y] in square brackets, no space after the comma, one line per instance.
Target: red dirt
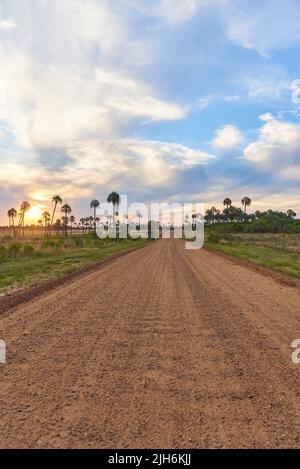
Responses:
[161,348]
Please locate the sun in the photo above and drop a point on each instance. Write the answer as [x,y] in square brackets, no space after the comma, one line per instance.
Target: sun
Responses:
[34,214]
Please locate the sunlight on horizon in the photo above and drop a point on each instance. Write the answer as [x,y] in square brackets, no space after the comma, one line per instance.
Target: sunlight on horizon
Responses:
[34,214]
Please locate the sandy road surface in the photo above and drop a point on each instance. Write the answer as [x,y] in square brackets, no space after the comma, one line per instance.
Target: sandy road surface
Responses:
[161,348]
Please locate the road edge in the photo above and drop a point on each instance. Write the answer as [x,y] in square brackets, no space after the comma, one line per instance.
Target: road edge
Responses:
[26,294]
[278,277]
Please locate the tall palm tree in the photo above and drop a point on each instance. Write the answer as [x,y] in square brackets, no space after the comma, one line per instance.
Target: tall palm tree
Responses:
[95,204]
[65,221]
[25,206]
[12,213]
[82,221]
[66,210]
[57,226]
[9,221]
[246,202]
[46,217]
[56,199]
[227,202]
[115,199]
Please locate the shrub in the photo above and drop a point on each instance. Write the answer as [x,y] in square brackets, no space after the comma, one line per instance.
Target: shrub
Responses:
[50,243]
[213,237]
[14,249]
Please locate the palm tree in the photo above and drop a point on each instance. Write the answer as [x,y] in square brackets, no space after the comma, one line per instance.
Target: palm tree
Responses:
[25,206]
[82,221]
[12,213]
[57,226]
[95,204]
[56,199]
[46,219]
[9,221]
[227,202]
[115,199]
[65,221]
[66,210]
[246,202]
[72,221]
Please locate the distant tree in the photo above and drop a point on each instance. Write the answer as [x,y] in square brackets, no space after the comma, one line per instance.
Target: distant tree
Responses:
[57,226]
[65,222]
[246,202]
[25,206]
[66,210]
[12,213]
[56,199]
[114,199]
[46,219]
[94,205]
[209,216]
[227,202]
[72,221]
[139,216]
[290,213]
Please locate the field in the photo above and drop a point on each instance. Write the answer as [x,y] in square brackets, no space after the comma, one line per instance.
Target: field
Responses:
[30,261]
[279,252]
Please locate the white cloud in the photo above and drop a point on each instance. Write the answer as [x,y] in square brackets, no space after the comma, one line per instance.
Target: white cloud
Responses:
[94,164]
[266,117]
[276,149]
[227,138]
[169,10]
[7,25]
[263,27]
[51,92]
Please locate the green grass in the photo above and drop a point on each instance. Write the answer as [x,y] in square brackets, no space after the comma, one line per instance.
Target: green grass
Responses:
[284,261]
[36,267]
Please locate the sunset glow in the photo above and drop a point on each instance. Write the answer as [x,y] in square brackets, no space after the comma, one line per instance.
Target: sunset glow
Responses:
[34,214]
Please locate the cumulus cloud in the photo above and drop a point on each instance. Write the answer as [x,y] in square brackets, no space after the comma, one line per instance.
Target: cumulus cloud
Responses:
[276,149]
[62,97]
[227,138]
[94,164]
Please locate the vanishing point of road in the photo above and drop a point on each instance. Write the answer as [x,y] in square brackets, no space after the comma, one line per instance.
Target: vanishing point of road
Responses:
[160,348]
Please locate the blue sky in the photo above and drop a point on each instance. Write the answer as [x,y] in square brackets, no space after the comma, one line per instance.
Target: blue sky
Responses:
[187,101]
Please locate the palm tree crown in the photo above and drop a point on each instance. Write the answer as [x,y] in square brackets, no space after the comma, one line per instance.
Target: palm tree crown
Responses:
[95,203]
[246,201]
[66,209]
[227,202]
[114,198]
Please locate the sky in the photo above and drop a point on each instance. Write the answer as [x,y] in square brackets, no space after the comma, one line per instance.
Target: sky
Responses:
[186,101]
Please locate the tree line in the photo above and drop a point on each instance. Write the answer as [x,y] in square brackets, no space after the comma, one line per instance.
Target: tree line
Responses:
[66,222]
[240,214]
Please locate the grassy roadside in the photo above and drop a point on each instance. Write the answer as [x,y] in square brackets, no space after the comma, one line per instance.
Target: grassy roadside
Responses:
[29,270]
[284,261]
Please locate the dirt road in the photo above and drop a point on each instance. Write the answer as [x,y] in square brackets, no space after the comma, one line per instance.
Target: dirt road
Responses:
[161,348]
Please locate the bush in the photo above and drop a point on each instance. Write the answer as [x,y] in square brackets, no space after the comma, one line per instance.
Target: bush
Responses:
[50,243]
[214,237]
[14,249]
